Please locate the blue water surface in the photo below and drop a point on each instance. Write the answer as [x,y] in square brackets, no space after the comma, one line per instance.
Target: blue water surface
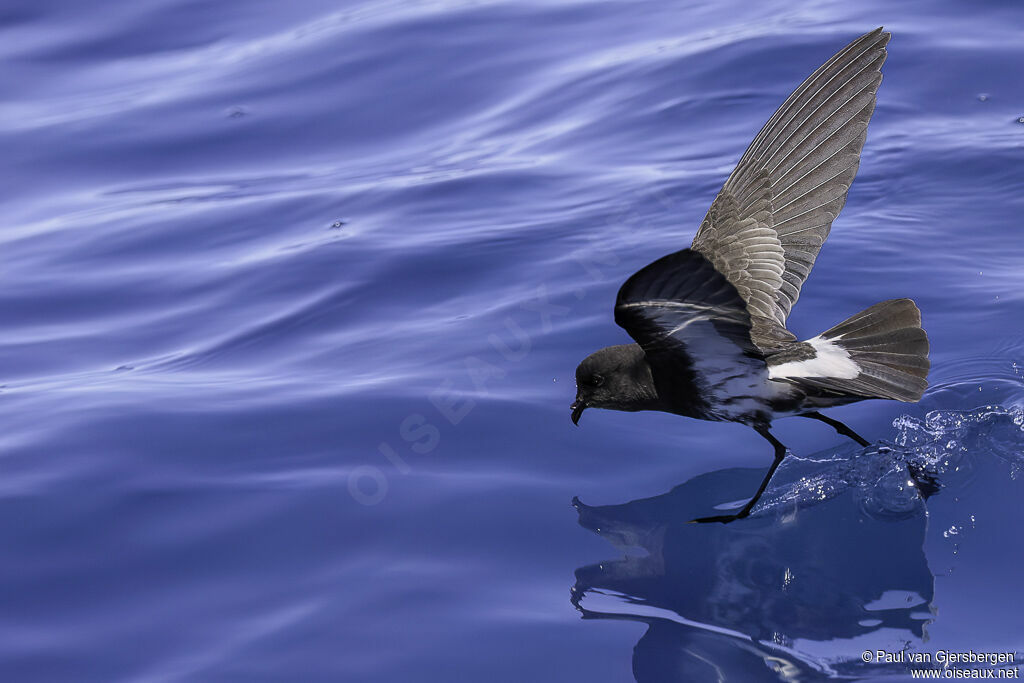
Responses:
[292,295]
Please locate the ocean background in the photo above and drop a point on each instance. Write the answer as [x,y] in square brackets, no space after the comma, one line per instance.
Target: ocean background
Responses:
[292,296]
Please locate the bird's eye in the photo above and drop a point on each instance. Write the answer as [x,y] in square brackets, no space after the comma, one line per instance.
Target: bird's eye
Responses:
[597,380]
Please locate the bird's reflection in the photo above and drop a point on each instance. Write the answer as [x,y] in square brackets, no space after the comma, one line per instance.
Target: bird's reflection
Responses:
[831,566]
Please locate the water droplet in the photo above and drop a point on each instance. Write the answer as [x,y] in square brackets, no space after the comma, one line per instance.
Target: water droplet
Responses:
[983,97]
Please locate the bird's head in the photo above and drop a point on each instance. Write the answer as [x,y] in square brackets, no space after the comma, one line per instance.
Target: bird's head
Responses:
[616,378]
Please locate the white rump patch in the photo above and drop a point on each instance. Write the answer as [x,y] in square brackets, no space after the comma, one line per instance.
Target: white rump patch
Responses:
[830,360]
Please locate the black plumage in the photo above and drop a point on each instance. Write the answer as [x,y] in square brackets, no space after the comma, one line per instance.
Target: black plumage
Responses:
[710,321]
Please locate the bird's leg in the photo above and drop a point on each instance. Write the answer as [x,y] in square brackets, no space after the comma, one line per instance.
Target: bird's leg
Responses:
[780,453]
[839,427]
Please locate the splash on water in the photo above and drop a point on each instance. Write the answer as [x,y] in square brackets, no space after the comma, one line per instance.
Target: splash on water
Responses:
[926,454]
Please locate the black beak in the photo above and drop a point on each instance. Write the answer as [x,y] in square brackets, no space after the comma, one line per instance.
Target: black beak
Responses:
[578,407]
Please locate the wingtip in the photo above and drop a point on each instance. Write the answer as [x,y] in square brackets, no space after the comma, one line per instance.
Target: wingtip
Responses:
[878,34]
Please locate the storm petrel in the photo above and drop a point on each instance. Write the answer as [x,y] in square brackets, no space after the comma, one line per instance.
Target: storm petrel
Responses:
[710,321]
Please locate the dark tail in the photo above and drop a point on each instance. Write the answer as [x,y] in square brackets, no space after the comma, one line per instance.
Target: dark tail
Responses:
[890,349]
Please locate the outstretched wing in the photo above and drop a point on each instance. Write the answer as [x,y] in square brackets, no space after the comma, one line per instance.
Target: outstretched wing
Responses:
[765,228]
[692,325]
